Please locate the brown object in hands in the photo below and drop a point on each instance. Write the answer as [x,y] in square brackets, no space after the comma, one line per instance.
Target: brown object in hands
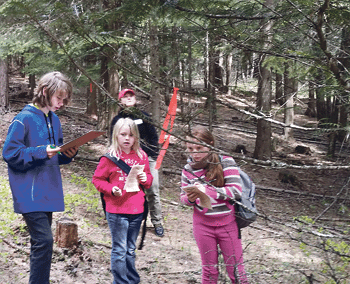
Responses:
[66,233]
[81,140]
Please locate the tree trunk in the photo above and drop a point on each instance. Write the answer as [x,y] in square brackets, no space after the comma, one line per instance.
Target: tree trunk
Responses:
[102,99]
[206,61]
[189,61]
[91,91]
[228,66]
[21,64]
[311,104]
[321,105]
[279,89]
[215,79]
[263,139]
[113,89]
[32,85]
[345,66]
[334,120]
[66,233]
[91,104]
[228,69]
[4,85]
[154,58]
[289,104]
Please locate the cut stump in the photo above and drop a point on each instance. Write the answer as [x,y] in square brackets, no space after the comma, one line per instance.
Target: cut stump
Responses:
[66,233]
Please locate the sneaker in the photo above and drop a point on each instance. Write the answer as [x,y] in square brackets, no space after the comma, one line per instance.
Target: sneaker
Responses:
[159,230]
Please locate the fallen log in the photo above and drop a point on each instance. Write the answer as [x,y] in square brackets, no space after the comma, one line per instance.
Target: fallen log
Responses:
[281,190]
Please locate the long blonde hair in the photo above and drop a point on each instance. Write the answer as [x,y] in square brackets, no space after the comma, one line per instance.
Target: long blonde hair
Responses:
[115,147]
[215,171]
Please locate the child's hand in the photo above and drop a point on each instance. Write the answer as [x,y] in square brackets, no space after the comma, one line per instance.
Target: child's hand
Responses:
[116,191]
[70,153]
[52,151]
[192,192]
[142,177]
[192,196]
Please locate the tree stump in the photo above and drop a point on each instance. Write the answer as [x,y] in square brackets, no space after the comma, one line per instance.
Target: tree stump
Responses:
[303,150]
[287,176]
[66,233]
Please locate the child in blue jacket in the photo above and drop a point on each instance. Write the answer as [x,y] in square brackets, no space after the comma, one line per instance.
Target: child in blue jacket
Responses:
[31,150]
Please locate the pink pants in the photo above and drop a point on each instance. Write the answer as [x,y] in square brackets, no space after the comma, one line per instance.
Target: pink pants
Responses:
[207,238]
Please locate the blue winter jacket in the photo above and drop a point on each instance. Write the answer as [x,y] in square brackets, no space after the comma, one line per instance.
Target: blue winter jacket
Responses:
[35,180]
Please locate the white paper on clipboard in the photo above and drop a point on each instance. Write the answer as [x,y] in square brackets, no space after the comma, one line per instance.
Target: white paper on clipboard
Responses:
[82,140]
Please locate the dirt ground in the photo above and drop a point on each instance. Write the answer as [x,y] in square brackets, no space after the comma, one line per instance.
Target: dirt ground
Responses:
[280,247]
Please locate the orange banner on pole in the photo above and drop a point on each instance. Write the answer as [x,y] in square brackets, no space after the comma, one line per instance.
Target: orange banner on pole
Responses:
[170,117]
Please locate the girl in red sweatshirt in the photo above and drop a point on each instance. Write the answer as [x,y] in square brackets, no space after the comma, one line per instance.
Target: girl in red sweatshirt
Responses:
[124,206]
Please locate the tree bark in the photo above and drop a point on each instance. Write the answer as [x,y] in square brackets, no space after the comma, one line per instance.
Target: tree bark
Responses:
[66,233]
[154,58]
[321,105]
[32,85]
[215,79]
[189,61]
[91,91]
[91,105]
[113,89]
[334,120]
[311,104]
[4,84]
[279,89]
[263,139]
[206,61]
[289,103]
[263,146]
[103,122]
[345,66]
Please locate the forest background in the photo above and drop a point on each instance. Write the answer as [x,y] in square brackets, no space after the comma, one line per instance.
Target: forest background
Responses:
[263,63]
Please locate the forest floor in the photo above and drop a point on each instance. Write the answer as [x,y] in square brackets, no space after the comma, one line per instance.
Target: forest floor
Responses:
[282,246]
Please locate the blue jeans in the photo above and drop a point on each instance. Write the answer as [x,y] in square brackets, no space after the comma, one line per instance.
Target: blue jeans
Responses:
[124,230]
[41,240]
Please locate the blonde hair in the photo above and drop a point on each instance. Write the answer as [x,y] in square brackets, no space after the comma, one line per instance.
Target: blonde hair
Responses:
[115,147]
[51,83]
[215,170]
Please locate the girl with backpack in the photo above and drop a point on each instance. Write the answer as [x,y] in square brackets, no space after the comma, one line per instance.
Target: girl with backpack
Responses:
[124,208]
[217,226]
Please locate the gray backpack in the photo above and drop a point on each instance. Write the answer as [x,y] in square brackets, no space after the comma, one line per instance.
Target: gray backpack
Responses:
[246,211]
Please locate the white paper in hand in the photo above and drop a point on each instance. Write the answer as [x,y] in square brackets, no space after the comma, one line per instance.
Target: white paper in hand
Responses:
[203,198]
[132,183]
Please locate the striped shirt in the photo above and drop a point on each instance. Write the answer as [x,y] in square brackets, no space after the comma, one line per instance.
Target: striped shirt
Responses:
[222,211]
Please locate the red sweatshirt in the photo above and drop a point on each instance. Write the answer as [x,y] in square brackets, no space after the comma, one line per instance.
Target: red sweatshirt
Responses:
[107,175]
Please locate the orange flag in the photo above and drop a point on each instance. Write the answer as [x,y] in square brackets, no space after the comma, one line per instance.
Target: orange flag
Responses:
[170,117]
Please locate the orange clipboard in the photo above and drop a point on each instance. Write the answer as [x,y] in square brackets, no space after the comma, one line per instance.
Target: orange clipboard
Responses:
[81,140]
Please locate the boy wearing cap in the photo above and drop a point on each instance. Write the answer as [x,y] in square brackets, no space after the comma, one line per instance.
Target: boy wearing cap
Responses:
[149,143]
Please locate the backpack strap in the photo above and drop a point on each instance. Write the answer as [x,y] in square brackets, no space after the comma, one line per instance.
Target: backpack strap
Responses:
[126,168]
[119,162]
[232,201]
